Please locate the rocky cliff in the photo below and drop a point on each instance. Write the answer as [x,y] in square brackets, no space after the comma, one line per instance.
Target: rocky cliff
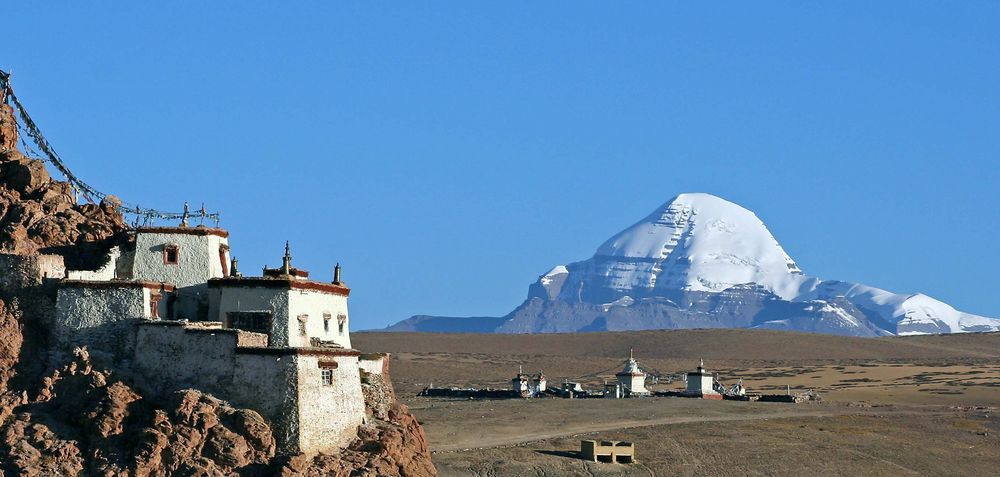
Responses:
[75,420]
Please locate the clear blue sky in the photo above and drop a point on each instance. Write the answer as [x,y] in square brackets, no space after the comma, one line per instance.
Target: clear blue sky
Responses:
[448,153]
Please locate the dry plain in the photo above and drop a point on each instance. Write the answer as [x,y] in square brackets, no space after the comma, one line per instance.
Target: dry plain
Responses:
[890,406]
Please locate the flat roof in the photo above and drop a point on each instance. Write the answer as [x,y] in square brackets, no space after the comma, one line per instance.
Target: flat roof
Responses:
[278,283]
[298,351]
[68,283]
[198,230]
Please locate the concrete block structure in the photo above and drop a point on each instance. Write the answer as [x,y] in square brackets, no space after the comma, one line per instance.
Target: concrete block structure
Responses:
[615,452]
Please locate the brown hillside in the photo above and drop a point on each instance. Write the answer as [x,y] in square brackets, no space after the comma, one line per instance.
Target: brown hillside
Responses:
[713,344]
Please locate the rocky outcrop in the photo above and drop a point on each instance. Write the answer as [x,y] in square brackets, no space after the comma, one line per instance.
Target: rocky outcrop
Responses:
[10,344]
[86,422]
[38,212]
[395,447]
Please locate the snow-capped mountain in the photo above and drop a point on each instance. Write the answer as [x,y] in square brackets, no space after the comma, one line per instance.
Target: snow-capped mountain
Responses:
[700,261]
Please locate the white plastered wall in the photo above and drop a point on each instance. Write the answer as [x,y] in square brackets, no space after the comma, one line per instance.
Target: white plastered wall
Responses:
[286,306]
[171,358]
[372,366]
[700,384]
[287,389]
[198,261]
[329,415]
[315,304]
[223,300]
[198,258]
[96,317]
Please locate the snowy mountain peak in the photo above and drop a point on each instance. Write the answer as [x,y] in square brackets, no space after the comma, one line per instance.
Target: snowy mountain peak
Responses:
[699,261]
[696,242]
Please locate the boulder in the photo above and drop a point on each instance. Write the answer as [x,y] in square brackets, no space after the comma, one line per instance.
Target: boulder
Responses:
[25,175]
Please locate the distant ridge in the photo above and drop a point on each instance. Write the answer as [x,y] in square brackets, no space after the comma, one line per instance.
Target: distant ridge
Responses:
[699,261]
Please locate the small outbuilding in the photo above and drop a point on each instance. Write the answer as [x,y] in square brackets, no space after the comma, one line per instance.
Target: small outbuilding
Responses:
[632,378]
[701,383]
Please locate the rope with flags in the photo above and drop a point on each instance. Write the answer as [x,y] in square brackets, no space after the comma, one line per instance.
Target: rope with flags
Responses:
[27,128]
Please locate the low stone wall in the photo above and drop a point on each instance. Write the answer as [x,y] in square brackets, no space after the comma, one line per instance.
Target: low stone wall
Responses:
[19,271]
[374,363]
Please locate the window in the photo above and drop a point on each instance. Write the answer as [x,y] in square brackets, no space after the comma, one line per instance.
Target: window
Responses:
[154,305]
[341,321]
[326,371]
[222,259]
[326,322]
[303,319]
[256,321]
[171,254]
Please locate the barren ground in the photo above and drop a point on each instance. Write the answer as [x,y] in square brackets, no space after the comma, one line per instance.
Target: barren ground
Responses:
[892,406]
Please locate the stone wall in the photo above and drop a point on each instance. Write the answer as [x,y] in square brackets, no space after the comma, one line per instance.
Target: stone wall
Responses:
[100,318]
[283,384]
[19,271]
[315,304]
[329,414]
[198,258]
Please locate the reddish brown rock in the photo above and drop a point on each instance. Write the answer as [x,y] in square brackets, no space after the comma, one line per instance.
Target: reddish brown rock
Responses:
[24,175]
[10,344]
[8,128]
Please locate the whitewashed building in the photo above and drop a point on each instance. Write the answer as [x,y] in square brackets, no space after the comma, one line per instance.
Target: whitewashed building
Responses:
[186,257]
[700,382]
[171,306]
[284,304]
[632,378]
[528,386]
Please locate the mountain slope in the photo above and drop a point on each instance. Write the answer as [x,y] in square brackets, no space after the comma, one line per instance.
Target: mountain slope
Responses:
[699,261]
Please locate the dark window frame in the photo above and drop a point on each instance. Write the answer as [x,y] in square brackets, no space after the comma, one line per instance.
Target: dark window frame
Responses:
[253,321]
[303,322]
[171,254]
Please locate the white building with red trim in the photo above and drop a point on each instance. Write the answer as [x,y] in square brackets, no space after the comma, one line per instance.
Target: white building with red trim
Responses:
[171,307]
